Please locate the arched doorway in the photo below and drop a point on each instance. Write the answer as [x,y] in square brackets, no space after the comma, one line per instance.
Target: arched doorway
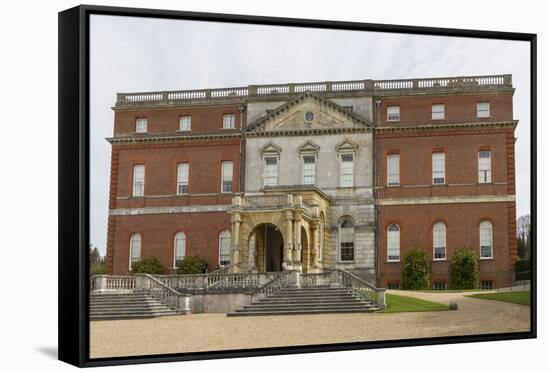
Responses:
[274,248]
[265,248]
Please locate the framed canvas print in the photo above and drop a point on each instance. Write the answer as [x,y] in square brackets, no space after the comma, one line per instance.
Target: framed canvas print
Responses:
[237,186]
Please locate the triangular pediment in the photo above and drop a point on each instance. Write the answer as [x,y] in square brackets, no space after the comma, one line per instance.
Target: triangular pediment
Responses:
[308,112]
[270,148]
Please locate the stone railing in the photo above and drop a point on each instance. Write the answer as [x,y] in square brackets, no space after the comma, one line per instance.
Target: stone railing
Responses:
[308,280]
[218,281]
[275,201]
[164,293]
[281,280]
[334,88]
[348,280]
[103,283]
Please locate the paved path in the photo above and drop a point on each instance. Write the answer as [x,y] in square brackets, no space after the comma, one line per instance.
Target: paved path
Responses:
[211,332]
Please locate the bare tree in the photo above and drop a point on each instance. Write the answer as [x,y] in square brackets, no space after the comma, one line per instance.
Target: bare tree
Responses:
[524,236]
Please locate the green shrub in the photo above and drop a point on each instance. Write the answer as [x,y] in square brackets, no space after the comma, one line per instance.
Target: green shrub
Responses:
[151,266]
[416,270]
[464,269]
[191,265]
[97,262]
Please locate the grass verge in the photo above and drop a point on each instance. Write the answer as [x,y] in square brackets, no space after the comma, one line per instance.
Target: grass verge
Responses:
[400,303]
[518,297]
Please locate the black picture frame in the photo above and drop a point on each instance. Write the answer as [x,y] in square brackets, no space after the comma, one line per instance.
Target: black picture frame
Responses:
[74,110]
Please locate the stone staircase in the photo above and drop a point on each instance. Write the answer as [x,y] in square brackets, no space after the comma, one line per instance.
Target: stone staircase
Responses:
[311,300]
[131,305]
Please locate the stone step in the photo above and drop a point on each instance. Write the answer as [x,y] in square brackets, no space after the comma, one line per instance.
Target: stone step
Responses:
[128,301]
[299,312]
[313,297]
[312,300]
[135,307]
[304,306]
[121,316]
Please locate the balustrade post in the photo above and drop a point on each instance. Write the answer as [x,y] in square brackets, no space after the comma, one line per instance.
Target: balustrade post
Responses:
[183,304]
[381,298]
[334,279]
[141,282]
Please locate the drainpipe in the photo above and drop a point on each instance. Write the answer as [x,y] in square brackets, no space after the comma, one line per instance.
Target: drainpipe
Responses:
[376,167]
[242,108]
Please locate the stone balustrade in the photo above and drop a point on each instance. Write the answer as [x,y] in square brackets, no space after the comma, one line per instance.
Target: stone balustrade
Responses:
[332,89]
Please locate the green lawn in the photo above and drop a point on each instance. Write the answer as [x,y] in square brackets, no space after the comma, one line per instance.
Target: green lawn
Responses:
[451,291]
[399,303]
[518,297]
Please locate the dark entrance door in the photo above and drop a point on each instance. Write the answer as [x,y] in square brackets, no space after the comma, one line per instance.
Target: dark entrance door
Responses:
[273,248]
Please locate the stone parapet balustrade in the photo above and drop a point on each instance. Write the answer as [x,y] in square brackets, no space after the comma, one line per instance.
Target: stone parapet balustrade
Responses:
[348,88]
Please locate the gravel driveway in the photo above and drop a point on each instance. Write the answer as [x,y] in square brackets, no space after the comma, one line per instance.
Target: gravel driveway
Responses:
[211,332]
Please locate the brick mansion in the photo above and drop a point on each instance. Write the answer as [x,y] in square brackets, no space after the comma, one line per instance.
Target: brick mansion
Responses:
[315,176]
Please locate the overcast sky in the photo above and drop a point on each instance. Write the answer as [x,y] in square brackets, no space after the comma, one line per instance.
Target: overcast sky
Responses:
[130,54]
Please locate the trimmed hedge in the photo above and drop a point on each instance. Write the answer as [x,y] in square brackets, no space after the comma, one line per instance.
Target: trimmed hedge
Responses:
[523,270]
[150,266]
[464,269]
[191,265]
[416,270]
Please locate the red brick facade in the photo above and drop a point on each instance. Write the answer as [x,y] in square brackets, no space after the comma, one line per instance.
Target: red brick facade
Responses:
[461,202]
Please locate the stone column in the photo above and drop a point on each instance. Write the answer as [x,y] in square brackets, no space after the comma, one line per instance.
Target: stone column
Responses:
[297,264]
[288,241]
[314,245]
[236,237]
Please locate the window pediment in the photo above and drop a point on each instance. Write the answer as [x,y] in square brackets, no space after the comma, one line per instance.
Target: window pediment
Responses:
[346,146]
[270,149]
[308,147]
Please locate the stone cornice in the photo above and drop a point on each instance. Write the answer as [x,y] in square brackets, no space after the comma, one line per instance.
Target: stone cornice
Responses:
[173,138]
[446,126]
[166,138]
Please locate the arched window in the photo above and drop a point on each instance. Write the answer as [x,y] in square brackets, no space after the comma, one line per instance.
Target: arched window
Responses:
[347,241]
[393,244]
[225,248]
[440,241]
[486,240]
[179,247]
[135,249]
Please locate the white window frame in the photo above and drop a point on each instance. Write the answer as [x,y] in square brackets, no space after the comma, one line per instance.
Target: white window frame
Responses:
[224,235]
[438,111]
[347,219]
[484,167]
[342,170]
[393,175]
[179,236]
[438,174]
[393,113]
[393,243]
[141,125]
[185,123]
[484,109]
[276,168]
[313,169]
[135,239]
[182,179]
[228,121]
[486,239]
[439,236]
[227,176]
[138,185]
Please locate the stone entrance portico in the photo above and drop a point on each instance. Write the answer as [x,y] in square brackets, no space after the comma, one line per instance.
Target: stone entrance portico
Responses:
[297,213]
